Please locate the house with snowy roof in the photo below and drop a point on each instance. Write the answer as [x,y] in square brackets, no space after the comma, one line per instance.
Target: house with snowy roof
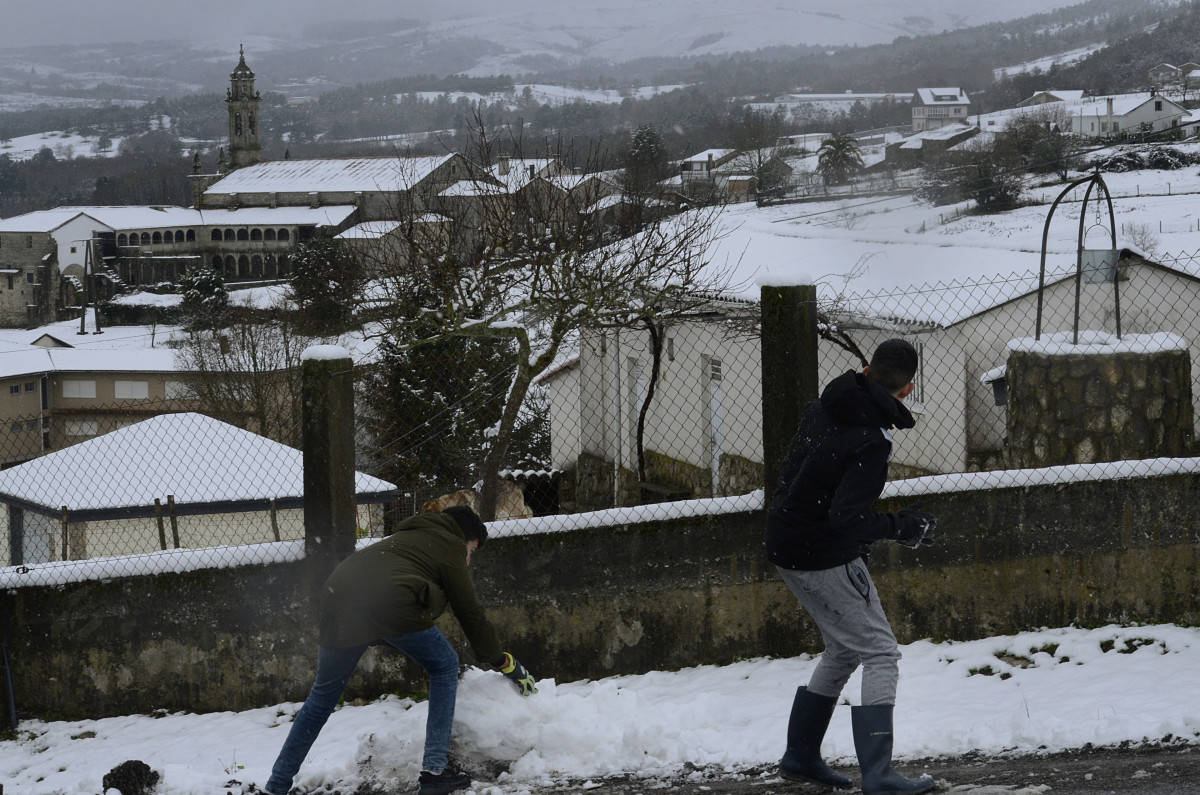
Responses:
[703,429]
[170,482]
[58,395]
[921,147]
[1051,95]
[1103,117]
[937,107]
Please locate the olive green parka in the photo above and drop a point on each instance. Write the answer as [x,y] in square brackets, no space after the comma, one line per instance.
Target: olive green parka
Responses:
[402,584]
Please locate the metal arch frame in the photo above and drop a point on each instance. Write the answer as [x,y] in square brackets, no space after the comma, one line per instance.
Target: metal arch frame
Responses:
[1093,180]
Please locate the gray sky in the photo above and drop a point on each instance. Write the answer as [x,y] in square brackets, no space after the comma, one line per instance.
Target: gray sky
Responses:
[28,22]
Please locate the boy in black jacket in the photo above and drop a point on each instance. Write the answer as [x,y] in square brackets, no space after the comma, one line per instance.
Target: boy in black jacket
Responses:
[819,527]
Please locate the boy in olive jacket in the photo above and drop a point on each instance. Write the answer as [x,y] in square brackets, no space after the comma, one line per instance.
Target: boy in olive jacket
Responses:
[392,592]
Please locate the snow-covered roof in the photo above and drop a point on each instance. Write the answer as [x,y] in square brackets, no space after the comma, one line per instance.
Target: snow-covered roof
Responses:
[715,154]
[943,133]
[333,175]
[203,463]
[161,217]
[942,96]
[518,171]
[1053,95]
[1122,104]
[369,230]
[470,187]
[40,221]
[85,360]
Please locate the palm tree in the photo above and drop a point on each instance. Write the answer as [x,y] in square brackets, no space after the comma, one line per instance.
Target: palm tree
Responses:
[839,159]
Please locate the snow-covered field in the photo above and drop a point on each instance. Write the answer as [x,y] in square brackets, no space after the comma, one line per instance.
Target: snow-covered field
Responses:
[64,145]
[1042,691]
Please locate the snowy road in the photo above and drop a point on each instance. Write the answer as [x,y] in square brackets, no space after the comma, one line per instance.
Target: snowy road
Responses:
[1163,770]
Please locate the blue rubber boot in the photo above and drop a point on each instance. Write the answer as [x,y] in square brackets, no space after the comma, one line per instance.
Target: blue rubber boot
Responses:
[873,742]
[806,729]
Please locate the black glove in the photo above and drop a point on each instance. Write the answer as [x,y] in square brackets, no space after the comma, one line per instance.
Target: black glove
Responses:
[915,528]
[516,673]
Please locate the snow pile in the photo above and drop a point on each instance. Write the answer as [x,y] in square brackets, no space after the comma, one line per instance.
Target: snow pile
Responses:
[1047,690]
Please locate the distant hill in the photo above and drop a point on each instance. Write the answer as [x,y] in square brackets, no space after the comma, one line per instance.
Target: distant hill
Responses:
[616,38]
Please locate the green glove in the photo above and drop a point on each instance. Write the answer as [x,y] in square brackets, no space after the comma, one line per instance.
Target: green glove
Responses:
[516,673]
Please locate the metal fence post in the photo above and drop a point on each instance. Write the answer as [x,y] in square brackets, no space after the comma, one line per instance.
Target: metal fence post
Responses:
[327,416]
[789,368]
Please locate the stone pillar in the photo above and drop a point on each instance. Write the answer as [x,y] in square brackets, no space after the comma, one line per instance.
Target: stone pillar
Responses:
[327,417]
[1102,400]
[789,369]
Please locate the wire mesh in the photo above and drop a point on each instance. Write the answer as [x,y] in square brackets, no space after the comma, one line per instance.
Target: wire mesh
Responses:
[96,488]
[628,418]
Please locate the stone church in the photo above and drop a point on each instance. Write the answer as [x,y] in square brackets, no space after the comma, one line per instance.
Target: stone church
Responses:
[246,219]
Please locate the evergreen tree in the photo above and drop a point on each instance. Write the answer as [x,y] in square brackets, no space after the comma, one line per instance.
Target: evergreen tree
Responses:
[326,278]
[205,299]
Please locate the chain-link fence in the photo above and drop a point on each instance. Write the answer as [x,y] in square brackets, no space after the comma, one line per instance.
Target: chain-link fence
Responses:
[631,424]
[1011,377]
[94,490]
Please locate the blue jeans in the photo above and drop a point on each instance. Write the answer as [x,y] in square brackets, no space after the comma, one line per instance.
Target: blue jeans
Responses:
[334,667]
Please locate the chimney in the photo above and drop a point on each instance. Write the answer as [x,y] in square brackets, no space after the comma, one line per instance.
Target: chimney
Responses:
[502,165]
[710,161]
[532,169]
[1153,90]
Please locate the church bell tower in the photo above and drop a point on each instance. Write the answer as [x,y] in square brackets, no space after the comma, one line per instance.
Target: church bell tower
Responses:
[243,102]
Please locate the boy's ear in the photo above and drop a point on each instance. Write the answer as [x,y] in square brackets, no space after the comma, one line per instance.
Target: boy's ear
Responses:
[906,391]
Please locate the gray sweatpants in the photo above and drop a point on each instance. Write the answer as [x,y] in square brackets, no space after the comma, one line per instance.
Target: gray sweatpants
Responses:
[843,602]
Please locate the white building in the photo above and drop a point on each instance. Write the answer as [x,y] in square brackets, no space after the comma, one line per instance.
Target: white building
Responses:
[937,107]
[1100,117]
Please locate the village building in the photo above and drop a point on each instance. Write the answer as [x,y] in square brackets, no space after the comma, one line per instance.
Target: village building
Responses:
[1102,117]
[175,481]
[938,107]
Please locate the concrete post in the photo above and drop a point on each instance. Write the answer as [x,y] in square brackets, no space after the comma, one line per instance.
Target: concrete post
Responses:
[789,369]
[328,442]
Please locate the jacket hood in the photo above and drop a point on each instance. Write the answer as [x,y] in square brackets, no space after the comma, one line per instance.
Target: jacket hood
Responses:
[854,399]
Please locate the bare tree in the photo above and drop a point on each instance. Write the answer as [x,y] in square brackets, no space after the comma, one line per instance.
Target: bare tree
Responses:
[529,255]
[247,373]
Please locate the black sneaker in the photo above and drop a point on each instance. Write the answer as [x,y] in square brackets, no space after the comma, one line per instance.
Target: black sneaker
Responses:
[442,783]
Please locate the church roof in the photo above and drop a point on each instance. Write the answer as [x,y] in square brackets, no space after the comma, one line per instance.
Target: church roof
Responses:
[367,174]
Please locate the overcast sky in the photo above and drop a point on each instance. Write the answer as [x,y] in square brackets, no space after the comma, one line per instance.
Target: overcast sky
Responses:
[29,22]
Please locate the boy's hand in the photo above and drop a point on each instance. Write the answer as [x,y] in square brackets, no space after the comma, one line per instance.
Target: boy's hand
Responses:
[915,528]
[516,673]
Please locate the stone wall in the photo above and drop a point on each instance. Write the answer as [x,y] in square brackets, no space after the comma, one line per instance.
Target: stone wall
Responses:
[1076,408]
[617,600]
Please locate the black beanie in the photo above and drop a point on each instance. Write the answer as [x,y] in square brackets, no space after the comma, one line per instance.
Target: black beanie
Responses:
[469,522]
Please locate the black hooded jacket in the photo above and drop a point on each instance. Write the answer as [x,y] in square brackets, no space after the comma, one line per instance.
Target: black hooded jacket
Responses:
[821,511]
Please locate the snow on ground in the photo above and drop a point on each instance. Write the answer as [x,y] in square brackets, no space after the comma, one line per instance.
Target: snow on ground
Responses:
[1041,691]
[883,243]
[64,145]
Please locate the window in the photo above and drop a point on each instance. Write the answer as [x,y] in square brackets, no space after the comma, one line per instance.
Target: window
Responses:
[1158,105]
[72,249]
[131,390]
[178,390]
[29,277]
[81,427]
[15,389]
[31,425]
[31,386]
[79,389]
[16,427]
